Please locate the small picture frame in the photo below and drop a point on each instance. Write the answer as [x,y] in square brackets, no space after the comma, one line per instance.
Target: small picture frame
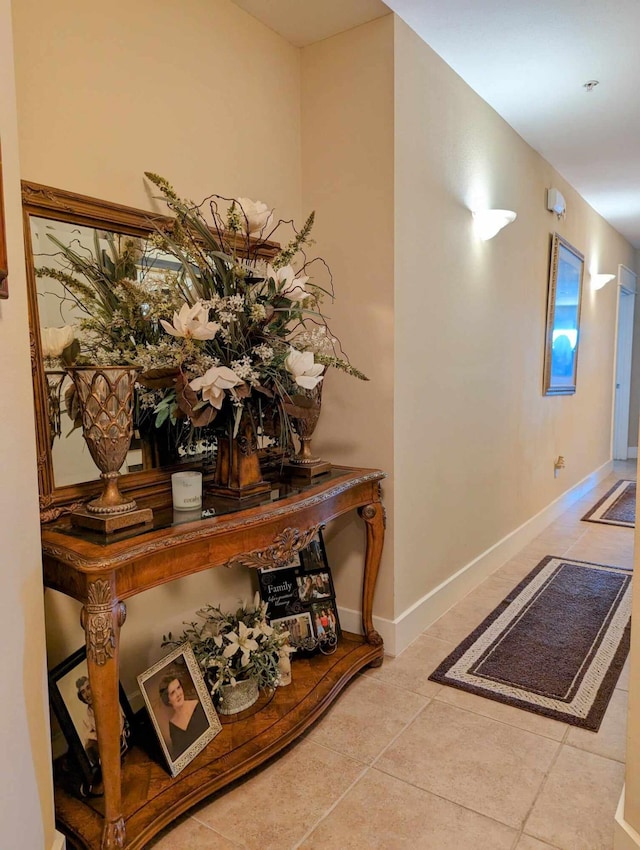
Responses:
[315,585]
[179,706]
[300,629]
[71,701]
[314,555]
[326,625]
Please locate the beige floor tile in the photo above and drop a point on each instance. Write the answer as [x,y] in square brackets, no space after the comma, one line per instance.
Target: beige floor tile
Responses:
[411,669]
[383,813]
[366,718]
[517,568]
[274,808]
[528,843]
[610,740]
[611,556]
[490,767]
[576,807]
[191,835]
[463,618]
[505,713]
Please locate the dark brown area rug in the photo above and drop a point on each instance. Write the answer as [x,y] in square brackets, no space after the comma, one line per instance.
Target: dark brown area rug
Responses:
[616,507]
[555,646]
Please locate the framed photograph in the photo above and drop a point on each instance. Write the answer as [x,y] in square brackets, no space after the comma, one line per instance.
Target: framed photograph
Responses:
[326,625]
[563,318]
[4,272]
[179,706]
[299,628]
[315,585]
[314,556]
[279,589]
[72,704]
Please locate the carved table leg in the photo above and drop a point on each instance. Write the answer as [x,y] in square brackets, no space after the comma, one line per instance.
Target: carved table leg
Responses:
[373,516]
[101,619]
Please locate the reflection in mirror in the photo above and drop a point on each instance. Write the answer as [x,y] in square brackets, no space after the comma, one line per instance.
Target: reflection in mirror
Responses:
[563,318]
[94,292]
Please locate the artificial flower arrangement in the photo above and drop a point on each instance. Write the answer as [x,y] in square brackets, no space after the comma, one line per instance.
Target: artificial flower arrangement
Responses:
[235,329]
[235,647]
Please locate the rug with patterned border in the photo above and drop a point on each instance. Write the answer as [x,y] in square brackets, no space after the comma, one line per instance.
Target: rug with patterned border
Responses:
[616,507]
[555,646]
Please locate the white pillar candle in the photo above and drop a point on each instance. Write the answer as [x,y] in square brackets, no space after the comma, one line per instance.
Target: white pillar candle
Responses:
[186,490]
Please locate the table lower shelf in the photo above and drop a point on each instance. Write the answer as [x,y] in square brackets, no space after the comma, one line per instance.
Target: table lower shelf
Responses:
[151,799]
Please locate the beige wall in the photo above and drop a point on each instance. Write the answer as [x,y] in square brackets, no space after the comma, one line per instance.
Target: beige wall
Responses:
[634,401]
[475,439]
[26,807]
[347,177]
[199,92]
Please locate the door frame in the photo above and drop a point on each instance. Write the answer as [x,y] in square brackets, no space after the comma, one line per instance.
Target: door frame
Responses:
[622,363]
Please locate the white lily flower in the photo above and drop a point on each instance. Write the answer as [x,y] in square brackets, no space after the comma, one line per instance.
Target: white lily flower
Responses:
[191,322]
[213,384]
[288,284]
[242,641]
[257,216]
[55,340]
[306,372]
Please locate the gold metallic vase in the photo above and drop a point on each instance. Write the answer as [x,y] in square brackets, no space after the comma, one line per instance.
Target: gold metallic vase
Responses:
[304,412]
[105,398]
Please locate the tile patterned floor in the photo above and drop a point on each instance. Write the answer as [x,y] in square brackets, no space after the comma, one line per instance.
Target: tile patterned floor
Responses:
[400,762]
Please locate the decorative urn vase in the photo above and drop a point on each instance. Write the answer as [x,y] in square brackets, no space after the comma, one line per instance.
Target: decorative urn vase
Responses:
[304,412]
[105,398]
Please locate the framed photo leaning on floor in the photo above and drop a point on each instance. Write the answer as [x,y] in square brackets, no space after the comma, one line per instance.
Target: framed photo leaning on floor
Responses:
[72,703]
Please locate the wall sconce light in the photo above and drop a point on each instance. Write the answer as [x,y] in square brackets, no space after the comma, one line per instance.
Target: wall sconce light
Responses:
[489,222]
[600,280]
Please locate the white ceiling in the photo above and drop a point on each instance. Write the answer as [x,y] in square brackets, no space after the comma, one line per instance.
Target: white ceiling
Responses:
[529,59]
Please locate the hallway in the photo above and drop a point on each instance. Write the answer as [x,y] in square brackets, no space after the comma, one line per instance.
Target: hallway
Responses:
[401,762]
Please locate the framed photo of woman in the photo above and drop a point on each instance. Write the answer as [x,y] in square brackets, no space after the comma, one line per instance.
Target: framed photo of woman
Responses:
[179,706]
[72,703]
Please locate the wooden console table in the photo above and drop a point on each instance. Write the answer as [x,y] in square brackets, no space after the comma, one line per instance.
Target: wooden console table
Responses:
[140,798]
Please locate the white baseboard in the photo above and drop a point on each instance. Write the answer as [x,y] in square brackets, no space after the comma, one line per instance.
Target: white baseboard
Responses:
[59,841]
[624,836]
[632,452]
[399,633]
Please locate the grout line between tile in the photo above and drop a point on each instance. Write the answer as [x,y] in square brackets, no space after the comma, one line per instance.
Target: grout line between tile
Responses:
[332,807]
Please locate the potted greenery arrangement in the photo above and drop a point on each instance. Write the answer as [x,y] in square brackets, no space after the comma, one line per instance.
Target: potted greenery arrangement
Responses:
[239,653]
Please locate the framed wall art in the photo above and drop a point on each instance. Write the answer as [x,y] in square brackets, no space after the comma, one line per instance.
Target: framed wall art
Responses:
[72,703]
[563,318]
[4,272]
[179,706]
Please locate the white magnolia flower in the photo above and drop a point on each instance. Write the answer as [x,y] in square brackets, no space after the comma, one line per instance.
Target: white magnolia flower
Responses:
[191,322]
[306,373]
[288,284]
[257,216]
[242,641]
[55,340]
[213,384]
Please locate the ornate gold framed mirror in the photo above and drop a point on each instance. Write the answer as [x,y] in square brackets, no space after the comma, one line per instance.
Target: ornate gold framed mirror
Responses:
[55,220]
